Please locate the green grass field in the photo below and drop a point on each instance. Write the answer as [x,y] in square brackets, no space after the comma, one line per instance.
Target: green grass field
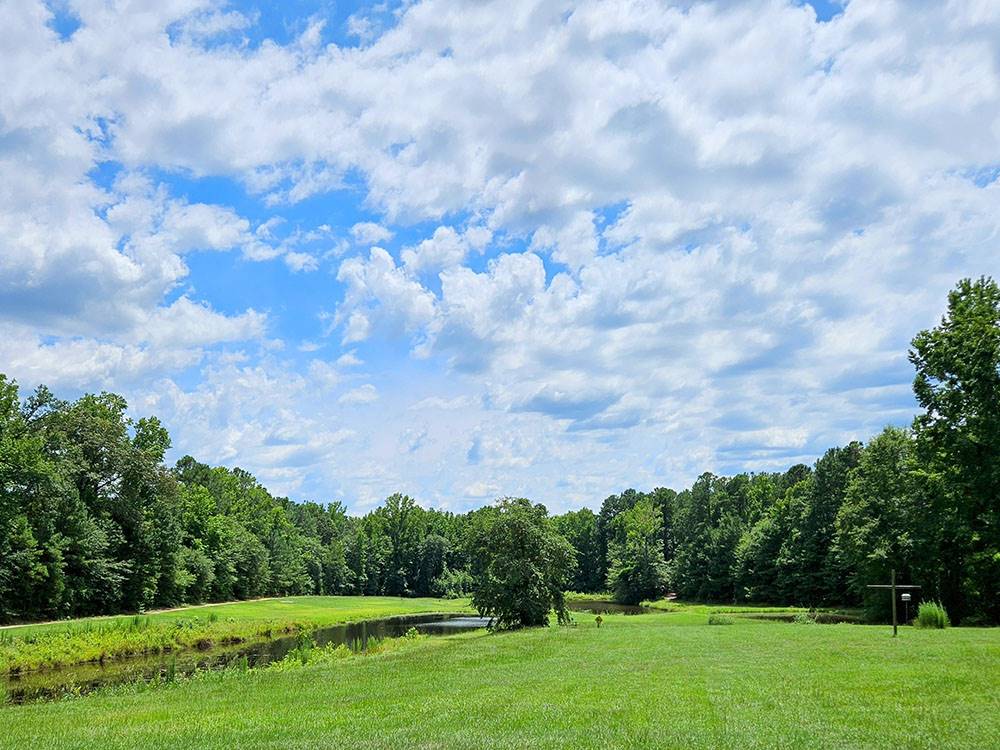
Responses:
[660,680]
[90,639]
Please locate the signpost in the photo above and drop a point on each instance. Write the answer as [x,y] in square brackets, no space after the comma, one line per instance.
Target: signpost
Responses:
[893,586]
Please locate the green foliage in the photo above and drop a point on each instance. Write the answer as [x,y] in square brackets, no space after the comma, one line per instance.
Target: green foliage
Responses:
[932,615]
[809,572]
[521,565]
[197,573]
[637,570]
[399,519]
[453,584]
[875,531]
[304,644]
[91,522]
[604,531]
[708,521]
[580,527]
[171,672]
[958,439]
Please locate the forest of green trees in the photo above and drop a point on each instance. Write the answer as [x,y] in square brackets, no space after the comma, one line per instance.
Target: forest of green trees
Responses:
[93,522]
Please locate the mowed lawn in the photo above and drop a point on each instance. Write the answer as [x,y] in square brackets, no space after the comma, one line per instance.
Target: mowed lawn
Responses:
[658,680]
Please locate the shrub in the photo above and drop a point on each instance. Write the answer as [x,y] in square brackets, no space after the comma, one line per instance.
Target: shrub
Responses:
[717,619]
[932,615]
[804,618]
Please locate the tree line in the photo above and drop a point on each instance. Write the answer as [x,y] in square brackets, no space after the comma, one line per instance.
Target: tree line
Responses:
[93,522]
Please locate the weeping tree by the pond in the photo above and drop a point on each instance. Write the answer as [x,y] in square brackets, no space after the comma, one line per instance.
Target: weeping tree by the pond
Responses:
[521,565]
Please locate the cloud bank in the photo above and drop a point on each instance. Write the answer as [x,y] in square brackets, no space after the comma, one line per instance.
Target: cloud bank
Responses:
[552,249]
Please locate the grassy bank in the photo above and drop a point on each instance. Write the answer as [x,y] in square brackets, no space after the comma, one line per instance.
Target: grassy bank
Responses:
[673,605]
[93,639]
[642,681]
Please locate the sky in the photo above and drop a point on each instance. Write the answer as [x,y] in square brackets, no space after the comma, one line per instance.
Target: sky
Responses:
[466,250]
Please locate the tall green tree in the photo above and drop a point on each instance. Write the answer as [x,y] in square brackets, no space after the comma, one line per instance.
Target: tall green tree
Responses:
[521,566]
[433,562]
[706,530]
[958,435]
[610,508]
[663,499]
[637,569]
[807,571]
[874,524]
[580,529]
[401,523]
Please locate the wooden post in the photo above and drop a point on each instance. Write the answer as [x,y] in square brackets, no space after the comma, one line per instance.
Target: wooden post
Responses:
[894,623]
[892,587]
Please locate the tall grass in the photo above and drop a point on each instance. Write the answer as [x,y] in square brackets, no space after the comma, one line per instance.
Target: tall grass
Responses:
[304,645]
[100,641]
[53,644]
[171,674]
[718,619]
[932,615]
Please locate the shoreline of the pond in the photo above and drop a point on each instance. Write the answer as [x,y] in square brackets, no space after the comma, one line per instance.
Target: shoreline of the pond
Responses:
[270,642]
[50,683]
[609,607]
[277,629]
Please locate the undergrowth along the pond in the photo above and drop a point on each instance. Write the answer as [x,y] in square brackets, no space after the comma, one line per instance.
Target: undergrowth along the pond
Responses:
[674,605]
[306,654]
[138,635]
[717,619]
[60,644]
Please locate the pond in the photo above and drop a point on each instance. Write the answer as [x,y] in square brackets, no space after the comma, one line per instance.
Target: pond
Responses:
[46,684]
[606,607]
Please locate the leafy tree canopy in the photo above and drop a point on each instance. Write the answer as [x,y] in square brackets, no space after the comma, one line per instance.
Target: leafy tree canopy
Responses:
[521,565]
